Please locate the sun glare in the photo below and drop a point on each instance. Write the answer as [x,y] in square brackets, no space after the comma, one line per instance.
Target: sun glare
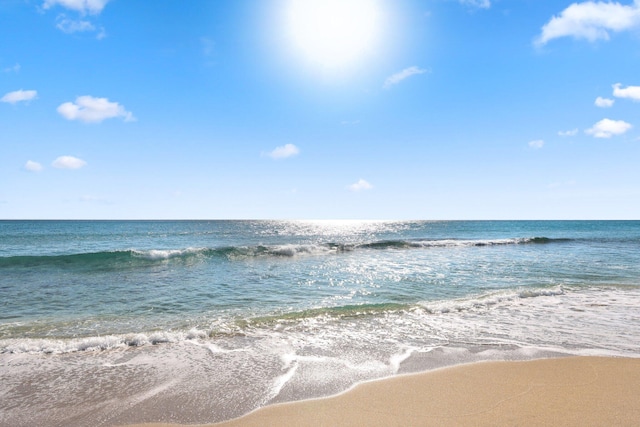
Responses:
[334,34]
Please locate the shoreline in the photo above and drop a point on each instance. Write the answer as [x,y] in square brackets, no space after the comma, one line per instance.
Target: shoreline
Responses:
[574,390]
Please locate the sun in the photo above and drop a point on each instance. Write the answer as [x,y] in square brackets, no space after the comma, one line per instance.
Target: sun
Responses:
[334,34]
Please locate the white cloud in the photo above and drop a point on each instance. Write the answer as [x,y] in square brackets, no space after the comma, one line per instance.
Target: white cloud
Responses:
[284,151]
[360,185]
[572,132]
[19,96]
[591,21]
[14,69]
[482,4]
[604,102]
[631,92]
[93,110]
[68,162]
[93,7]
[537,144]
[401,75]
[607,128]
[32,166]
[69,26]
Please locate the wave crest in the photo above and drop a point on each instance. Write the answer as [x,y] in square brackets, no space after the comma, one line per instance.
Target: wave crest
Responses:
[141,257]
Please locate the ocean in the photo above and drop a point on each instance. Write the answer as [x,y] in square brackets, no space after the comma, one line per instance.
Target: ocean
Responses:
[106,322]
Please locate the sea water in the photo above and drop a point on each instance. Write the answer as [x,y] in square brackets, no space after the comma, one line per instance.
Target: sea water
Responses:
[221,317]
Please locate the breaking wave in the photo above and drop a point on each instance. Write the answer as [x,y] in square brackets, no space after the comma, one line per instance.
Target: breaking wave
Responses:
[137,257]
[389,314]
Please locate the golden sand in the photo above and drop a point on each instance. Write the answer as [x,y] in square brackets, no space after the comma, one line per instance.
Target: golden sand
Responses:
[574,391]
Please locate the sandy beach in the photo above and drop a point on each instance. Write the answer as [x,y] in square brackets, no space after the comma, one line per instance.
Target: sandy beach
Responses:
[573,391]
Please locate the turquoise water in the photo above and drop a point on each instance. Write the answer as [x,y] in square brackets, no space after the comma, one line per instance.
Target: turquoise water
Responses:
[75,279]
[227,316]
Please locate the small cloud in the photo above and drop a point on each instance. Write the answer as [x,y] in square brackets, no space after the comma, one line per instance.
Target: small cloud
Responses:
[68,162]
[32,166]
[361,185]
[572,132]
[482,4]
[631,92]
[19,96]
[287,150]
[536,144]
[591,21]
[401,75]
[93,110]
[92,7]
[14,69]
[70,26]
[604,102]
[607,128]
[350,122]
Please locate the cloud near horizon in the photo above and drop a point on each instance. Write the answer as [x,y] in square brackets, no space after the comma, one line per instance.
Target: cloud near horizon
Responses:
[93,7]
[361,185]
[68,162]
[19,96]
[94,110]
[287,150]
[396,78]
[591,21]
[606,128]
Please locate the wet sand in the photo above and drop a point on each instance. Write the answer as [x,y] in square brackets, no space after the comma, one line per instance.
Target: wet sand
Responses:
[572,391]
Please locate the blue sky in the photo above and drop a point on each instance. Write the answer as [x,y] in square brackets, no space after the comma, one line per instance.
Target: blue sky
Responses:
[441,109]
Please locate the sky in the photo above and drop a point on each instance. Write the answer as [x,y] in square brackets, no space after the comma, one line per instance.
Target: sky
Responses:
[319,109]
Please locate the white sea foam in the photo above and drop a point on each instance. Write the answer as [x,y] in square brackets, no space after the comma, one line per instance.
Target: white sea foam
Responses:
[396,359]
[295,250]
[98,343]
[485,301]
[160,254]
[280,381]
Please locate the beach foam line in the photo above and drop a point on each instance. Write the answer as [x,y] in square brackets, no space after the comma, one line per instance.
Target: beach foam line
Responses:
[572,391]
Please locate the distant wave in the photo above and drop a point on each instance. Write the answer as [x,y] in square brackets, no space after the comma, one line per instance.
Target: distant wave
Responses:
[136,257]
[121,258]
[408,244]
